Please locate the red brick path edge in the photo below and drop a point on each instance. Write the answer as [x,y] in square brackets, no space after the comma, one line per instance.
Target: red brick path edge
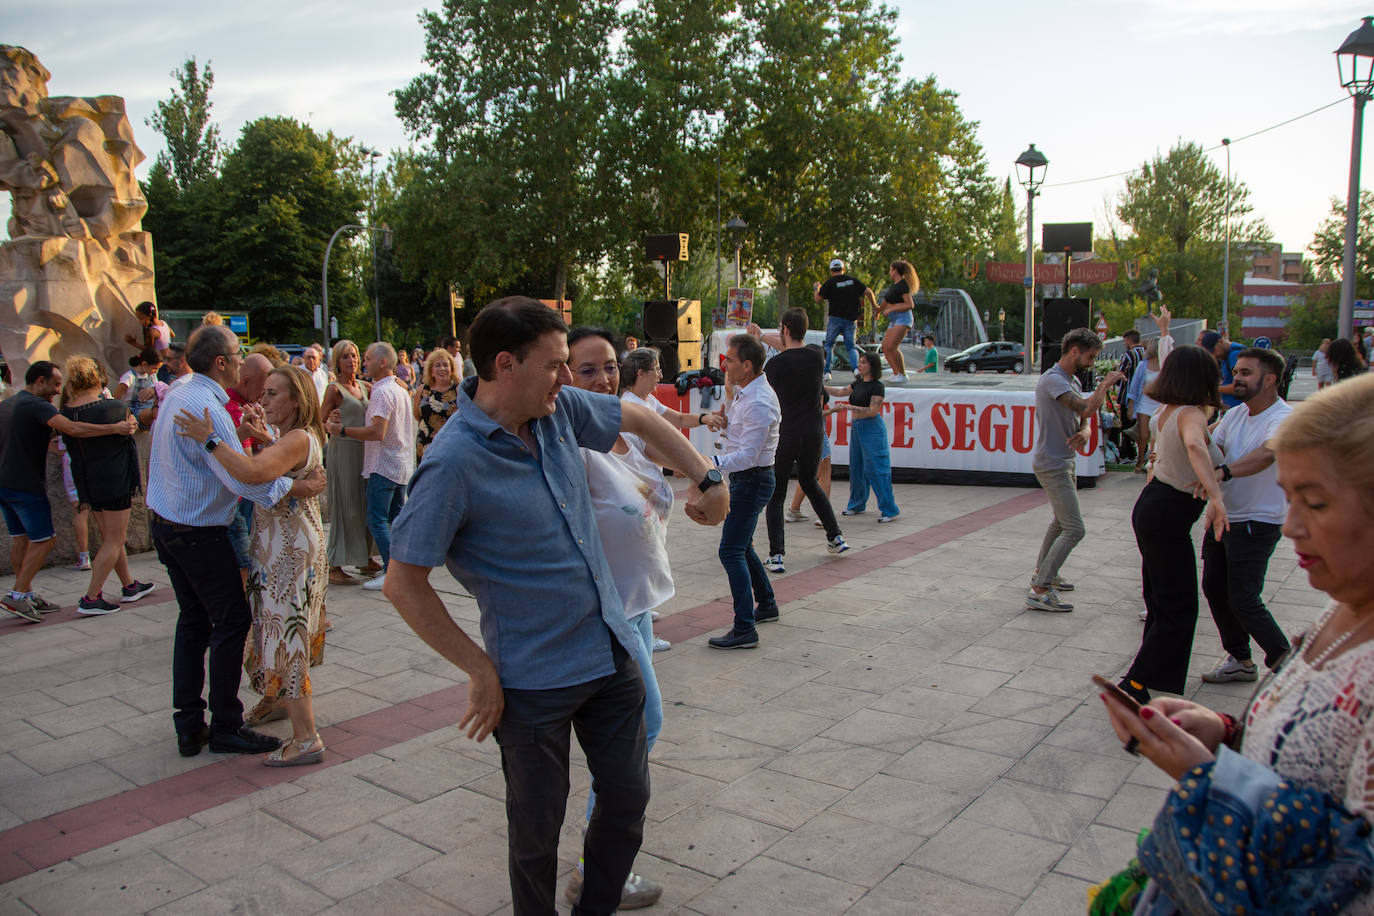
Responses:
[47,841]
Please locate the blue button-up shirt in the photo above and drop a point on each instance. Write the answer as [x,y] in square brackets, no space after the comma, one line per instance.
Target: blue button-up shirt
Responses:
[518,531]
[186,484]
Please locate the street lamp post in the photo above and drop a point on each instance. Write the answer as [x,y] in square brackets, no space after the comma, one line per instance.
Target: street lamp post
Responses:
[373,156]
[1226,269]
[1355,63]
[737,227]
[324,277]
[1030,171]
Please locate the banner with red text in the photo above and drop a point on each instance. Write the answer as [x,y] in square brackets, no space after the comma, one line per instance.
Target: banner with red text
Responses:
[1083,272]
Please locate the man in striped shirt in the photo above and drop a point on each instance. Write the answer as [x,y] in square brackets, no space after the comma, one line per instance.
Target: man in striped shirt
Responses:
[193,499]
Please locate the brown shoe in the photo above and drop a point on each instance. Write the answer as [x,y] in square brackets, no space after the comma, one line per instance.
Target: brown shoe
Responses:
[339,577]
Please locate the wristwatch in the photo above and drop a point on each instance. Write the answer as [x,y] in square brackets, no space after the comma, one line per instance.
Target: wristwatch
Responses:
[213,442]
[1226,472]
[710,480]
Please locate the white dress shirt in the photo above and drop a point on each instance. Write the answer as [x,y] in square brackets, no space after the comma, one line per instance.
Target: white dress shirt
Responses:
[392,456]
[752,421]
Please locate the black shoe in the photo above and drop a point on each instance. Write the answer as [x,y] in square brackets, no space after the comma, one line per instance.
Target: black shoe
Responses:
[243,741]
[735,640]
[190,745]
[765,614]
[1135,690]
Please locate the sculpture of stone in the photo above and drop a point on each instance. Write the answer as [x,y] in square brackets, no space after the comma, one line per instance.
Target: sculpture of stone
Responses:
[77,262]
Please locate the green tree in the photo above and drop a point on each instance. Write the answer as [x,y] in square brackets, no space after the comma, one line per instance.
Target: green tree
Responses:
[284,190]
[1328,245]
[192,139]
[515,135]
[1176,205]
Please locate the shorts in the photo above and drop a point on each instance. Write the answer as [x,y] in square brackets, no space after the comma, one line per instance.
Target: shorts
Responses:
[27,514]
[825,448]
[120,504]
[241,533]
[899,318]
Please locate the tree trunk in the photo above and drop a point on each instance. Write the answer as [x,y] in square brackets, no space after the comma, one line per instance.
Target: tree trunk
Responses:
[560,280]
[782,276]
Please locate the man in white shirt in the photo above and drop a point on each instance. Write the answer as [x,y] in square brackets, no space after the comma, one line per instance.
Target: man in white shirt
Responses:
[1233,568]
[751,422]
[388,448]
[312,359]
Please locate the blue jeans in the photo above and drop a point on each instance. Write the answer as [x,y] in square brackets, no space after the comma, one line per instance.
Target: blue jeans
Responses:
[870,466]
[384,501]
[833,329]
[749,493]
[643,625]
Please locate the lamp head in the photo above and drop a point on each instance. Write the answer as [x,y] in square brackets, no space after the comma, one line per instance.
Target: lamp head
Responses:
[1030,168]
[1355,60]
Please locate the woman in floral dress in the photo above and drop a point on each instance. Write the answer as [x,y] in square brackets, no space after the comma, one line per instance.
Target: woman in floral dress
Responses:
[435,398]
[289,573]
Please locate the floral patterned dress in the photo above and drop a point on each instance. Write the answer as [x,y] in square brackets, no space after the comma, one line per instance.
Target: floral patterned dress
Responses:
[435,409]
[286,588]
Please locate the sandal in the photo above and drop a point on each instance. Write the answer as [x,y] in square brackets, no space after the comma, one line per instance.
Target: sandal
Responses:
[304,756]
[267,710]
[339,577]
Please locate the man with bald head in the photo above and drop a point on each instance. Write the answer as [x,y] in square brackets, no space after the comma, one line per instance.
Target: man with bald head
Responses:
[388,448]
[247,390]
[192,504]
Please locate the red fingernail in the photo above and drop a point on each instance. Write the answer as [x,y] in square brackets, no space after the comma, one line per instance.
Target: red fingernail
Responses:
[1146,712]
[1177,721]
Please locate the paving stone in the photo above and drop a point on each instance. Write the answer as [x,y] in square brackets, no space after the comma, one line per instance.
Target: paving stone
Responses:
[710,839]
[74,750]
[356,860]
[422,776]
[268,889]
[1008,737]
[1098,853]
[342,804]
[1132,807]
[1059,894]
[965,770]
[835,763]
[776,798]
[1072,771]
[882,730]
[908,891]
[35,798]
[823,700]
[988,856]
[780,728]
[1034,810]
[920,702]
[774,887]
[391,896]
[917,807]
[125,848]
[673,790]
[449,821]
[234,847]
[133,885]
[715,756]
[1026,705]
[846,848]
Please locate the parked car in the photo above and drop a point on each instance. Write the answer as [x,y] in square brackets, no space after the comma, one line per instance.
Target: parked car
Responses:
[995,354]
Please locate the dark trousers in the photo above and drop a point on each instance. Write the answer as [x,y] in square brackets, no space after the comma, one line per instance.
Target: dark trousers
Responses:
[750,491]
[1232,578]
[1163,519]
[803,450]
[214,617]
[608,715]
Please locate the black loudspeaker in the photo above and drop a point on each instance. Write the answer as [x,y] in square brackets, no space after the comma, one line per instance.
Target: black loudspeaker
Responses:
[1066,237]
[1060,316]
[673,327]
[671,246]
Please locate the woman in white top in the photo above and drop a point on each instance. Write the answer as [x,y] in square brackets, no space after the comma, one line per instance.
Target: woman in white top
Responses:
[1141,404]
[641,375]
[632,502]
[1308,734]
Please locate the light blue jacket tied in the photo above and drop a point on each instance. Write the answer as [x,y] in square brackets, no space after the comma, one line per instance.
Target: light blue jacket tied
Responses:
[1234,838]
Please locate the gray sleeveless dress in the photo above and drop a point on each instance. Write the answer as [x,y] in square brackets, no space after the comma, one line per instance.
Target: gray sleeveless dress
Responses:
[349,542]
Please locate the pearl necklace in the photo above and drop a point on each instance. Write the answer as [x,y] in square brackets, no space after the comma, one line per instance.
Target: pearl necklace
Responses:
[1335,643]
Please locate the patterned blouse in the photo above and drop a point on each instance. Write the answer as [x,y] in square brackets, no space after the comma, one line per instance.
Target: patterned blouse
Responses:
[435,409]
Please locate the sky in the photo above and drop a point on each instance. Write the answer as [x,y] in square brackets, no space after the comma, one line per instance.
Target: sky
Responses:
[1100,86]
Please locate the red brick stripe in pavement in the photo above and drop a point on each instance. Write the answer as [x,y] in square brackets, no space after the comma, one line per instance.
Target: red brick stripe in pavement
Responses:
[58,837]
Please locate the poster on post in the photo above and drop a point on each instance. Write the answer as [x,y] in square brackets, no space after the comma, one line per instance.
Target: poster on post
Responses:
[739,307]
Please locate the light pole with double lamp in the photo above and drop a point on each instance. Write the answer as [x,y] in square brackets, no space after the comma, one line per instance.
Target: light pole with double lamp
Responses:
[1355,63]
[1030,171]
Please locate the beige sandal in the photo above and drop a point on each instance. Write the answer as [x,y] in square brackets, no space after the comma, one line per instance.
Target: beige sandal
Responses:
[304,756]
[267,710]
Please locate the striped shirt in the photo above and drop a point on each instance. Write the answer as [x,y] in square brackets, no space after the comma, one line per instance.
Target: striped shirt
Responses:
[186,484]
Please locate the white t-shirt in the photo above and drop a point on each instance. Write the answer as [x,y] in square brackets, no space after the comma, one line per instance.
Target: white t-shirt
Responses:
[651,402]
[632,503]
[393,456]
[321,379]
[1322,366]
[1256,498]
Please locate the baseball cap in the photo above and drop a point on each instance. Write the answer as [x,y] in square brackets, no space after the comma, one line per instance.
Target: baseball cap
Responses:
[837,264]
[1209,340]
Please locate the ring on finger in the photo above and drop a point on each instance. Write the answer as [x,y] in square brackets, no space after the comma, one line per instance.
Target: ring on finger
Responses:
[1132,746]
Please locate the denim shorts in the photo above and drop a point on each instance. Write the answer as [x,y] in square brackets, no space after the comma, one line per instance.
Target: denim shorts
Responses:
[27,514]
[825,447]
[899,318]
[241,533]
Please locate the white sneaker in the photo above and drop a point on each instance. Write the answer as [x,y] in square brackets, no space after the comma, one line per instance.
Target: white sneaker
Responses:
[774,563]
[661,644]
[1144,615]
[794,515]
[83,563]
[1047,601]
[836,545]
[375,585]
[654,615]
[827,376]
[895,378]
[1229,669]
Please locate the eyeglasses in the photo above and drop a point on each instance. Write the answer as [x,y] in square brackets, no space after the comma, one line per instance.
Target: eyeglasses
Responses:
[591,372]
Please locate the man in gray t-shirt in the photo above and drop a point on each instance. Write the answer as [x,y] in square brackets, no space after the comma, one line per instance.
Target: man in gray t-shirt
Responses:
[1063,415]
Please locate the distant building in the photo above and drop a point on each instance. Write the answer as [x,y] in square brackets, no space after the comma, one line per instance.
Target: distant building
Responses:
[1266,302]
[1271,262]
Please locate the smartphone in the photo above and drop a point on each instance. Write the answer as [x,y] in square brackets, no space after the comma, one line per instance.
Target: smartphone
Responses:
[1115,690]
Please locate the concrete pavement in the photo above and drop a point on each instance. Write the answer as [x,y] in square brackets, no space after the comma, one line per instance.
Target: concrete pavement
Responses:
[907,739]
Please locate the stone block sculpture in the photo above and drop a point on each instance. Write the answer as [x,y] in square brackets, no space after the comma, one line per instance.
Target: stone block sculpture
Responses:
[78,261]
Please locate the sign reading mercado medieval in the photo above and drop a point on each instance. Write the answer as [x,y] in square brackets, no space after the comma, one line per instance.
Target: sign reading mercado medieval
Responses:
[1083,272]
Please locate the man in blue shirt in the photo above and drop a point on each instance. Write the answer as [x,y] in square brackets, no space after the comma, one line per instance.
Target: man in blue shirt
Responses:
[193,499]
[1226,354]
[501,499]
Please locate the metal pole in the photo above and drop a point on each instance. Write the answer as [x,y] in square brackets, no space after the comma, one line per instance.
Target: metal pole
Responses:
[719,227]
[371,208]
[1226,270]
[1030,282]
[324,280]
[1352,215]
